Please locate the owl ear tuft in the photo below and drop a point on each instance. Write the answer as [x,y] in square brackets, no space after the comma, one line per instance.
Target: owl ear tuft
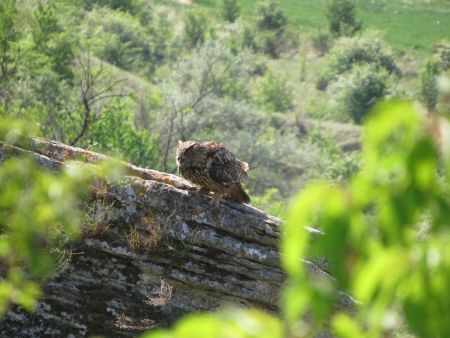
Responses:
[179,142]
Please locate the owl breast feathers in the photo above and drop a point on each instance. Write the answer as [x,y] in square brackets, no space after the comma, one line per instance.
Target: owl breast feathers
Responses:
[214,168]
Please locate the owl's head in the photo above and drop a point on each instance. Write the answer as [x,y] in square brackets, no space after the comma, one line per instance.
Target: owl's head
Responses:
[182,148]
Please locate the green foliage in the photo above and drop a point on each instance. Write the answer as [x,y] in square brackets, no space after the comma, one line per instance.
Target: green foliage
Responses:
[39,215]
[348,52]
[442,52]
[357,91]
[10,35]
[122,40]
[428,86]
[433,67]
[122,5]
[230,10]
[36,209]
[242,323]
[274,94]
[385,235]
[115,134]
[275,43]
[271,202]
[249,38]
[270,16]
[273,36]
[337,166]
[322,42]
[341,17]
[51,42]
[195,29]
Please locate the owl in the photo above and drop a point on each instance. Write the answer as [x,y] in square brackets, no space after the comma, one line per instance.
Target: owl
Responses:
[213,168]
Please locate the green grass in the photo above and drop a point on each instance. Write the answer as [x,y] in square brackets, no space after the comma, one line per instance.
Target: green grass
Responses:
[405,24]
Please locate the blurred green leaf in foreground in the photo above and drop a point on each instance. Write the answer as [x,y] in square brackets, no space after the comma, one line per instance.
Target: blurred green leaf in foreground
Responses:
[39,215]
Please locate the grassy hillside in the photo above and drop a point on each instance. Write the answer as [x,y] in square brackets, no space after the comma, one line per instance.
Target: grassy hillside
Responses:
[405,24]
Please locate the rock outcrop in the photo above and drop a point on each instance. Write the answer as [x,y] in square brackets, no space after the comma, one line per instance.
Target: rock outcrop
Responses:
[156,249]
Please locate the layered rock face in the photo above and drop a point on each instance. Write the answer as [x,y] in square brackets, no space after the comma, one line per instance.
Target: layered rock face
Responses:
[157,250]
[152,250]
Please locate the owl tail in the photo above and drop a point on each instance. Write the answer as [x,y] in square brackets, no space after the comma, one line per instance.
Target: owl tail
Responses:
[238,194]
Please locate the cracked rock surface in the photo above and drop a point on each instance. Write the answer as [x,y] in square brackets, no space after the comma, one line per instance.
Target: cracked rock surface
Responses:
[165,252]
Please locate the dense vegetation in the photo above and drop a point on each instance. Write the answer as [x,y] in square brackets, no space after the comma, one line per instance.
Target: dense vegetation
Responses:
[275,81]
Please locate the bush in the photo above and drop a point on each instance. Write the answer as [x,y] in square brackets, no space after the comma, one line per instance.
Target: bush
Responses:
[275,43]
[270,16]
[349,52]
[442,52]
[230,10]
[428,85]
[273,94]
[273,37]
[433,67]
[249,39]
[322,42]
[358,90]
[195,28]
[341,17]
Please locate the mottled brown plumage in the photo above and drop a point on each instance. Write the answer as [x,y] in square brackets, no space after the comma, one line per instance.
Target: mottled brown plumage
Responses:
[213,168]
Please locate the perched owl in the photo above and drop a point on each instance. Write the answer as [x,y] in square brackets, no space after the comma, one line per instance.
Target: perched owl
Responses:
[214,168]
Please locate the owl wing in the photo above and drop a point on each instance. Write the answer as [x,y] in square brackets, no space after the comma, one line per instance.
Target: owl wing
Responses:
[224,168]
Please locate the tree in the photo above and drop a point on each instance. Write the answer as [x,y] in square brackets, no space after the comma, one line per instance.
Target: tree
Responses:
[194,101]
[230,10]
[428,86]
[341,17]
[51,41]
[436,64]
[115,134]
[350,52]
[9,48]
[195,27]
[358,90]
[94,85]
[270,16]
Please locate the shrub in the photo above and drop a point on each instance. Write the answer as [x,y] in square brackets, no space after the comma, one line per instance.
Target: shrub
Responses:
[433,67]
[341,17]
[273,94]
[270,16]
[358,90]
[349,52]
[428,86]
[230,10]
[322,42]
[275,43]
[249,39]
[273,37]
[442,52]
[195,28]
